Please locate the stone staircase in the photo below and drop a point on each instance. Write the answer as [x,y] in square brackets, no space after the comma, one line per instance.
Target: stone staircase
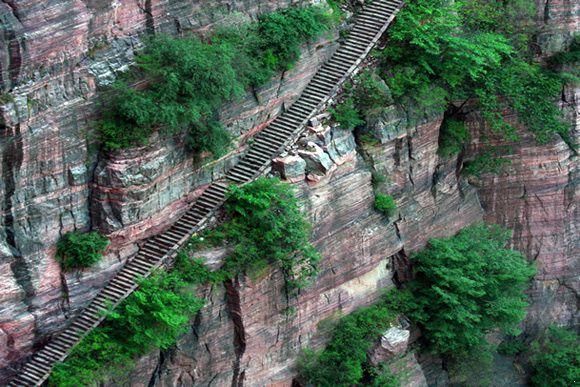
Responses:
[370,24]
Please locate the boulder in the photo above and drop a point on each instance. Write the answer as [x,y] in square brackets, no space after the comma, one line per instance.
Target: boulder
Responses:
[316,159]
[291,168]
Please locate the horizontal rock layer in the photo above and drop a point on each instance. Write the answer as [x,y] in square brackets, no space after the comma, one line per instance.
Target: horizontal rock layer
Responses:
[250,334]
[53,57]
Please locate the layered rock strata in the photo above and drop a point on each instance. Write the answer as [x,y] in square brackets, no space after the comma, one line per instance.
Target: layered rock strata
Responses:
[53,58]
[250,333]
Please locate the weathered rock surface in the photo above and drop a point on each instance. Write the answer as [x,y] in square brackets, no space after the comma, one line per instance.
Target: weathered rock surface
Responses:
[537,197]
[53,56]
[393,342]
[249,332]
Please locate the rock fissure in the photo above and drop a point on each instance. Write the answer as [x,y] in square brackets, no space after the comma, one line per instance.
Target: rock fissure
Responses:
[233,303]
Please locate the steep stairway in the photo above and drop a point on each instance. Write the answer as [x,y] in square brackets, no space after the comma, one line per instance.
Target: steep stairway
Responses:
[370,24]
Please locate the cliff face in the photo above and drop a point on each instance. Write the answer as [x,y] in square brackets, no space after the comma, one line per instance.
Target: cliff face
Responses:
[249,333]
[537,195]
[54,56]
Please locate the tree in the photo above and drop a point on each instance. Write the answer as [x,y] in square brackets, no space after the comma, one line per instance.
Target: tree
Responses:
[266,226]
[467,286]
[555,358]
[77,250]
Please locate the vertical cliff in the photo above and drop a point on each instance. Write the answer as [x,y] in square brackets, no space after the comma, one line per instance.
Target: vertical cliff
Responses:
[54,56]
[537,194]
[53,59]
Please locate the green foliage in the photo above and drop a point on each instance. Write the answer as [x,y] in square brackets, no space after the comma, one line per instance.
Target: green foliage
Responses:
[385,204]
[511,346]
[344,360]
[99,354]
[569,56]
[368,138]
[466,286]
[346,114]
[151,317]
[77,250]
[383,377]
[157,313]
[555,358]
[487,162]
[6,98]
[377,179]
[266,226]
[283,32]
[189,80]
[452,137]
[530,91]
[441,51]
[371,92]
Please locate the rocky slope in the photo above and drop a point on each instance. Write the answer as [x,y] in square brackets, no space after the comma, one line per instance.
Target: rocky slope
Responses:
[54,56]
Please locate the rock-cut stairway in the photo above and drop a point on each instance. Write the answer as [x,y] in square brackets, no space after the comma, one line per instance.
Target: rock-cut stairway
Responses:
[370,24]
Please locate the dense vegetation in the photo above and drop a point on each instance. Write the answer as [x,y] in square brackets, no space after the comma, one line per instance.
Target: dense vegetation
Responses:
[152,317]
[555,358]
[442,54]
[265,226]
[472,49]
[385,204]
[187,80]
[77,250]
[466,286]
[344,360]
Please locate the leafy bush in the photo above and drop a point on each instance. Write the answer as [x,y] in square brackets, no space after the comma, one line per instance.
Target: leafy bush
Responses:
[377,179]
[77,250]
[157,313]
[385,204]
[452,137]
[555,358]
[344,360]
[511,346]
[487,162]
[569,56]
[371,92]
[151,317]
[465,287]
[188,80]
[283,32]
[265,226]
[346,114]
[441,51]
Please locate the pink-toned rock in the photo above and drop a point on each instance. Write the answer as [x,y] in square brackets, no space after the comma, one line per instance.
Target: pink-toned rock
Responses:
[291,168]
[54,180]
[254,333]
[537,197]
[392,343]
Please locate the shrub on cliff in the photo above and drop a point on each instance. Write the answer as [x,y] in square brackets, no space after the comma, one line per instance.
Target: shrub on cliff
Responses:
[555,358]
[440,52]
[343,362]
[385,204]
[452,137]
[77,250]
[466,286]
[283,32]
[151,317]
[265,225]
[346,114]
[188,80]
